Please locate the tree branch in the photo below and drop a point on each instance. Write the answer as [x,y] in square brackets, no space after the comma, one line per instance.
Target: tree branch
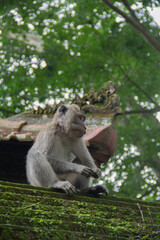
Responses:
[135,23]
[142,110]
[7,111]
[149,191]
[126,4]
[137,86]
[125,16]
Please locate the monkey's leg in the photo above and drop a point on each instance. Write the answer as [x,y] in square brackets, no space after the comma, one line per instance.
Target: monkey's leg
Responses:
[40,173]
[84,185]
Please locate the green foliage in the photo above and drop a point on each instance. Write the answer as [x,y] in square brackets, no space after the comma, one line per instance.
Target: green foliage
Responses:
[49,48]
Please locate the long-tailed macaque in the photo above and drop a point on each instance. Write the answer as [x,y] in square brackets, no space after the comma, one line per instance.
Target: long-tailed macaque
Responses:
[59,157]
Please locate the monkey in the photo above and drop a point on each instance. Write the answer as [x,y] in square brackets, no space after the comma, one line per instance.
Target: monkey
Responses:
[59,158]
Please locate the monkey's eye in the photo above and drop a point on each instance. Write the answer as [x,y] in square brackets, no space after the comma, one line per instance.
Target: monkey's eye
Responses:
[63,109]
[82,117]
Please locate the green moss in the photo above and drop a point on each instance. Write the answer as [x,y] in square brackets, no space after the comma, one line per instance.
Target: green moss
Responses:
[44,214]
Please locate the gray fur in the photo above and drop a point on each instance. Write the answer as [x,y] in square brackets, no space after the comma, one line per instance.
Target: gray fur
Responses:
[59,157]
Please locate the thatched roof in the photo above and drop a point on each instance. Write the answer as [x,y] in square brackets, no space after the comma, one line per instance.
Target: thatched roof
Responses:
[28,212]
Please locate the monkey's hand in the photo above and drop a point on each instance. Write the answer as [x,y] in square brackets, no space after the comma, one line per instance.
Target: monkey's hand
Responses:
[86,171]
[65,186]
[96,173]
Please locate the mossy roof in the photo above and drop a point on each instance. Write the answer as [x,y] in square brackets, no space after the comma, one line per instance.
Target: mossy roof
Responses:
[28,212]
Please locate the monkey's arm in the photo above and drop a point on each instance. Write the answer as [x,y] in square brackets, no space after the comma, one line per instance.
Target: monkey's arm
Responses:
[40,173]
[61,167]
[80,150]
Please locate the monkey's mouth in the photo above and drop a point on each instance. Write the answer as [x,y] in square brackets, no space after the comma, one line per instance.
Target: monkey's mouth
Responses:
[79,128]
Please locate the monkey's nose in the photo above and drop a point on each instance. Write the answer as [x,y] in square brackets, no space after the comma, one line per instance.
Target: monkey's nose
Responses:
[84,127]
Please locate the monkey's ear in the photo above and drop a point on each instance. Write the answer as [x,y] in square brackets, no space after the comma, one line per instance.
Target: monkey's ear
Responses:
[62,109]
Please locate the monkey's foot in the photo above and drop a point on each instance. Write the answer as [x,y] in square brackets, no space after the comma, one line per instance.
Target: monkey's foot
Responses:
[97,189]
[64,187]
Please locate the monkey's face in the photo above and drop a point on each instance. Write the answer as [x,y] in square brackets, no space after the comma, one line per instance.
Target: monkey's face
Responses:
[78,128]
[72,121]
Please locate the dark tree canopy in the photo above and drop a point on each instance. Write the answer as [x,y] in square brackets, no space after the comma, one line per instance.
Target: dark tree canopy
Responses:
[53,49]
